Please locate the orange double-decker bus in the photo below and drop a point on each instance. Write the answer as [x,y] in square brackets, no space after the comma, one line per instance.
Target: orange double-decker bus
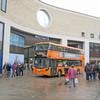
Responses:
[53,59]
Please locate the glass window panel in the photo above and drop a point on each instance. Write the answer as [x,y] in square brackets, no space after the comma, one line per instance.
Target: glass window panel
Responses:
[1,41]
[1,31]
[94,50]
[16,57]
[11,38]
[3,5]
[17,40]
[0,4]
[31,52]
[21,41]
[83,34]
[26,53]
[91,35]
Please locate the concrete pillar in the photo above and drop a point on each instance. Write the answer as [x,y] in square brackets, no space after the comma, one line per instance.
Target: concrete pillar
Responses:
[6,44]
[86,51]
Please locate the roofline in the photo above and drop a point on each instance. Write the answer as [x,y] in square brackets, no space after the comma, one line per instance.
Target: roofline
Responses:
[69,10]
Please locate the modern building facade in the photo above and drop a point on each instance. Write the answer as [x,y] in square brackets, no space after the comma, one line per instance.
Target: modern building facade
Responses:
[23,22]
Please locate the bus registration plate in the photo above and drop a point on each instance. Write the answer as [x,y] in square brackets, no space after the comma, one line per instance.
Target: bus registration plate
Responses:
[39,70]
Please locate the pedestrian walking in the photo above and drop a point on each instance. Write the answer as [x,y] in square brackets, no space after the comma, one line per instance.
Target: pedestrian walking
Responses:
[21,68]
[4,70]
[8,70]
[72,73]
[88,71]
[14,70]
[98,71]
[17,70]
[94,71]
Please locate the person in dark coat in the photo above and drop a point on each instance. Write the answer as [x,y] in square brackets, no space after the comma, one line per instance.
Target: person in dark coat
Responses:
[88,71]
[98,71]
[21,67]
[8,70]
[17,70]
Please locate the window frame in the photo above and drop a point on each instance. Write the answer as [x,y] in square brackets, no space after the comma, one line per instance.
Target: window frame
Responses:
[83,34]
[3,8]
[45,15]
[92,35]
[3,26]
[99,36]
[15,40]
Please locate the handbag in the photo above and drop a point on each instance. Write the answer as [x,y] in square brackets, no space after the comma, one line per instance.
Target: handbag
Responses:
[67,79]
[76,80]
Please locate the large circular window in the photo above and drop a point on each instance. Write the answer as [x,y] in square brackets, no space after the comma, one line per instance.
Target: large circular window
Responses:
[43,18]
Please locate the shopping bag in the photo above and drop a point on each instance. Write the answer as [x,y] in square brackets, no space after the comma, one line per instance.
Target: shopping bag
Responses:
[67,79]
[76,80]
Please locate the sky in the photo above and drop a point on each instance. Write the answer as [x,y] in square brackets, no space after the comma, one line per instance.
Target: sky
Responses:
[90,7]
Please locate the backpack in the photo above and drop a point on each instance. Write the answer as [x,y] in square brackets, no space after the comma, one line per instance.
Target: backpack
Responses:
[87,68]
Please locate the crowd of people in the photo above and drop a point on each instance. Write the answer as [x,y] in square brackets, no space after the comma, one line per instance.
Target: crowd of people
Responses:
[14,70]
[92,71]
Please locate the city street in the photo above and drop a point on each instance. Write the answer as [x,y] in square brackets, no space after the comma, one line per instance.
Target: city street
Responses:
[31,87]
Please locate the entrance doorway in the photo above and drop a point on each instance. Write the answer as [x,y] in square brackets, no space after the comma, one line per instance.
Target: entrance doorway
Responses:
[21,45]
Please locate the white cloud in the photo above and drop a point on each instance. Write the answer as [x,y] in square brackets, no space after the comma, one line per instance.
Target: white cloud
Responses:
[90,7]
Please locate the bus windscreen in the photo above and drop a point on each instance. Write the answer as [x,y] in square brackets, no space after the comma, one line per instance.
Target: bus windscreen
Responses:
[40,62]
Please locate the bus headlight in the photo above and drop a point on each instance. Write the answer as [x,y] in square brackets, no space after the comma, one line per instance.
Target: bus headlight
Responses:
[47,69]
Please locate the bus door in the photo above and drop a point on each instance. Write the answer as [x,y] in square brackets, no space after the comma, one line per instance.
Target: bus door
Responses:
[53,64]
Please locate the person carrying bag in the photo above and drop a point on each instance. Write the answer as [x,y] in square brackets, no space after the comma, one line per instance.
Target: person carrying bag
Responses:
[72,73]
[66,78]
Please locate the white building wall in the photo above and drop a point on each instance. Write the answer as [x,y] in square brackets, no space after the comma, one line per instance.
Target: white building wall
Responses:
[64,24]
[9,24]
